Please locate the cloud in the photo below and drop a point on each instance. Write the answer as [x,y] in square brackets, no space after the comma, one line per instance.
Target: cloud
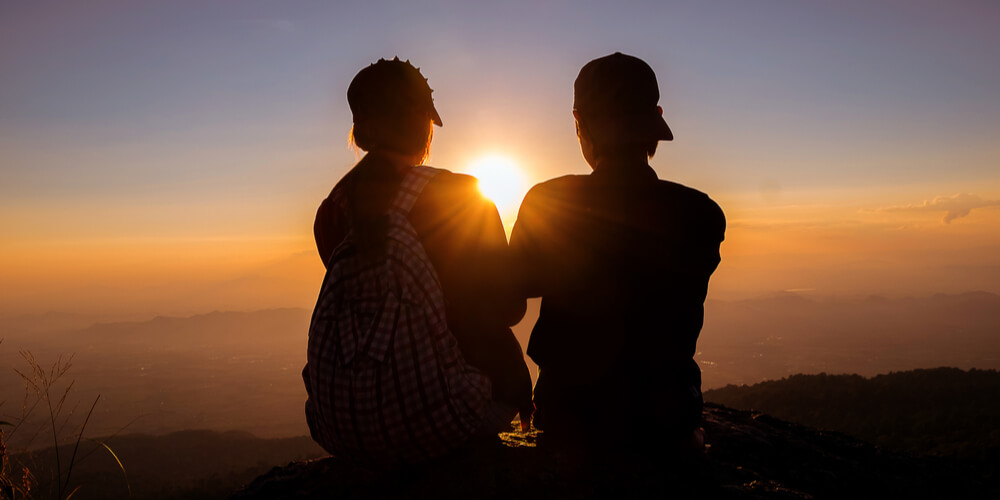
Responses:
[271,25]
[954,207]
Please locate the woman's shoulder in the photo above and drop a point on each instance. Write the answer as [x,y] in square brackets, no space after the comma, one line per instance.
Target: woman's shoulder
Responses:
[453,186]
[339,193]
[447,178]
[451,200]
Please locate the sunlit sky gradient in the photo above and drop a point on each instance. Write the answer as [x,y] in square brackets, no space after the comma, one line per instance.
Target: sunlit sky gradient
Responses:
[168,156]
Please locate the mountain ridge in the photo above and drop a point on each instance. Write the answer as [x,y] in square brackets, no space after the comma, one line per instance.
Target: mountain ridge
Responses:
[751,456]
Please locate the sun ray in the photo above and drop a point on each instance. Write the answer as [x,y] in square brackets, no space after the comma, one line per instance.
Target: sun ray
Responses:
[500,180]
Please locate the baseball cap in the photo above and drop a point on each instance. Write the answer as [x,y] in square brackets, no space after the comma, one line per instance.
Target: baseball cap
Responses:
[617,95]
[387,87]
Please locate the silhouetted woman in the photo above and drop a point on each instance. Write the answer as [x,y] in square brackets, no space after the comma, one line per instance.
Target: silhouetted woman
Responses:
[410,351]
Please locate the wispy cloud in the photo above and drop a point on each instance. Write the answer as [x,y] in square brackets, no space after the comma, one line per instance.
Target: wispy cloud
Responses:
[954,207]
[272,25]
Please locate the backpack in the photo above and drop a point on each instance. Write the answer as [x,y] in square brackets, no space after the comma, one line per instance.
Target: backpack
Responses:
[385,378]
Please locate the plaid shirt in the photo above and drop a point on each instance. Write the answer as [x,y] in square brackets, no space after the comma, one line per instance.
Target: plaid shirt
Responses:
[386,380]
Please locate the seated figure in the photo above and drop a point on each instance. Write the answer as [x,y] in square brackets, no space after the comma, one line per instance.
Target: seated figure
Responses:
[410,348]
[621,261]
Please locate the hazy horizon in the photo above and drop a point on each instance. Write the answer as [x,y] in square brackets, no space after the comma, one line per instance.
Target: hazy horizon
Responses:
[164,159]
[202,372]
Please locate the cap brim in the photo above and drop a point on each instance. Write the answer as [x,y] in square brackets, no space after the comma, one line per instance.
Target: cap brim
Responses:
[663,131]
[626,129]
[436,118]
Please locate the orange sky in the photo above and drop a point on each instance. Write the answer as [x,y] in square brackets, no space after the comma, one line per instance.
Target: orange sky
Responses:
[168,157]
[815,242]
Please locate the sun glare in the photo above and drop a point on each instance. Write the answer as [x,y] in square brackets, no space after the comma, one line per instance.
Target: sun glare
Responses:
[500,180]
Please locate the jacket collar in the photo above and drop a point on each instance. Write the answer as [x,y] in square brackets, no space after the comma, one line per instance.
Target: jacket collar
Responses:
[624,173]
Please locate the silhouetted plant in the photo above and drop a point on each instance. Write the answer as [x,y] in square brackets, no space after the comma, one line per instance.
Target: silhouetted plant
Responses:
[47,387]
[14,482]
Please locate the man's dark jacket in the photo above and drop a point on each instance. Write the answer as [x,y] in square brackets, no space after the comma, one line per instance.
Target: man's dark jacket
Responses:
[621,261]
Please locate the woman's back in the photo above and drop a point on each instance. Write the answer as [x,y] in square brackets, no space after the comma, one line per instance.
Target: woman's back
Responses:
[465,240]
[385,377]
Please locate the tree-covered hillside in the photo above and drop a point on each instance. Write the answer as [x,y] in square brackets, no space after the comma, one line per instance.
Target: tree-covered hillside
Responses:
[944,411]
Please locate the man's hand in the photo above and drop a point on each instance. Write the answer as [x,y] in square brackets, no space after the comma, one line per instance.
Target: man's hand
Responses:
[525,413]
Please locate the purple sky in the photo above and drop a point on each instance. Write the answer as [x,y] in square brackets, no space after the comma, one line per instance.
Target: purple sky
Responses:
[132,120]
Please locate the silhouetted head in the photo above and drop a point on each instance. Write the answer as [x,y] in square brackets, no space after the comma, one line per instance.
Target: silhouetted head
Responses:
[393,109]
[615,104]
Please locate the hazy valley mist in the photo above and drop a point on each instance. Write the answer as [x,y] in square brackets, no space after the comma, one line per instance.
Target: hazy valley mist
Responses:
[241,370]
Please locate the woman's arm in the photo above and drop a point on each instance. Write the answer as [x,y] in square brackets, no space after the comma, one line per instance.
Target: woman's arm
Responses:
[465,240]
[329,228]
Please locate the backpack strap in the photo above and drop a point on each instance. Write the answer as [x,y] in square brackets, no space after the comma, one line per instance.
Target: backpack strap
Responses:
[410,188]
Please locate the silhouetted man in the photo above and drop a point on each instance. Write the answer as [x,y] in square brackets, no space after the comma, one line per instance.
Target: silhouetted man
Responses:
[621,261]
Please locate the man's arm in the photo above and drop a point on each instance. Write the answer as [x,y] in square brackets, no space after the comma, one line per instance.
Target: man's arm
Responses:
[711,233]
[525,246]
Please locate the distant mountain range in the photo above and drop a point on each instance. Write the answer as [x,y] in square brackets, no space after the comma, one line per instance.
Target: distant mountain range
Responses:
[241,370]
[772,337]
[221,371]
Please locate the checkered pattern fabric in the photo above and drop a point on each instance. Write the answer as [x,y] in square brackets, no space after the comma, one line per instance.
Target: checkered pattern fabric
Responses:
[385,377]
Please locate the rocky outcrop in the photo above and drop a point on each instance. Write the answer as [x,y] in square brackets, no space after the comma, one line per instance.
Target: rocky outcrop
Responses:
[750,455]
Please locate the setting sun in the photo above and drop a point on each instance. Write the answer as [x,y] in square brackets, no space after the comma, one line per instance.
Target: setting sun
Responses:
[501,180]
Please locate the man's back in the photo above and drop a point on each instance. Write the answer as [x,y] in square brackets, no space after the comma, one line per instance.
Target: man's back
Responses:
[622,262]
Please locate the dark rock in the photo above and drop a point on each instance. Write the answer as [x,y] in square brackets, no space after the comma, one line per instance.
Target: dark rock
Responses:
[750,455]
